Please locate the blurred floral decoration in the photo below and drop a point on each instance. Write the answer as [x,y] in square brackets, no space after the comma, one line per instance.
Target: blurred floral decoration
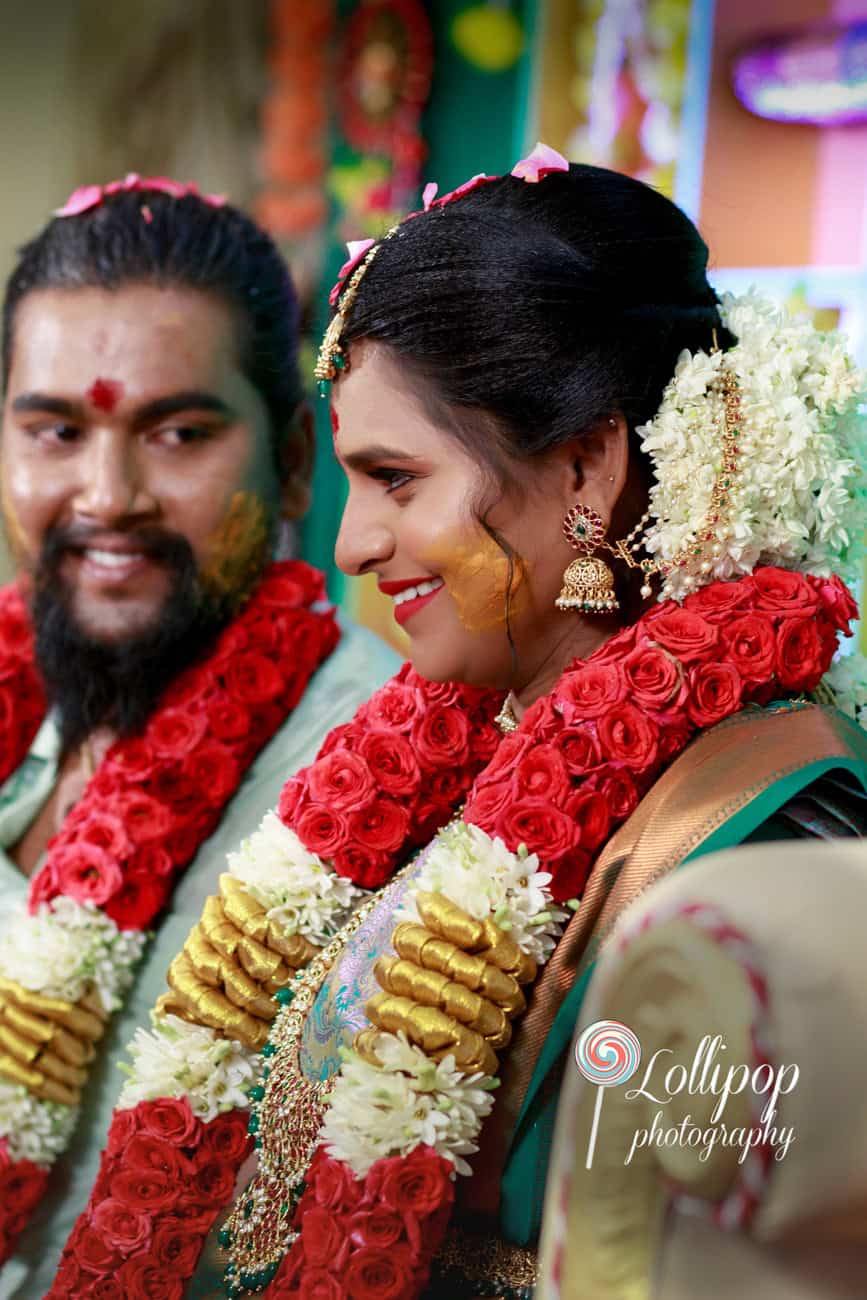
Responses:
[295,147]
[629,85]
[489,36]
[384,71]
[817,74]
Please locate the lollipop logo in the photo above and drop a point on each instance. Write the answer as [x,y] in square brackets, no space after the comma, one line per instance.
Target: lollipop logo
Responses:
[607,1053]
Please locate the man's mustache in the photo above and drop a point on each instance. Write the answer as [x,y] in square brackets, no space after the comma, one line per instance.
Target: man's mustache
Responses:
[159,544]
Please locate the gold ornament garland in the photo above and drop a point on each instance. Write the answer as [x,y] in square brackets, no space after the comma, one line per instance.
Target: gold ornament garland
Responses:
[46,1043]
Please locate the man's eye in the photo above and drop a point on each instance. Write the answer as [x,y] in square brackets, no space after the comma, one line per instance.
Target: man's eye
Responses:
[181,435]
[65,433]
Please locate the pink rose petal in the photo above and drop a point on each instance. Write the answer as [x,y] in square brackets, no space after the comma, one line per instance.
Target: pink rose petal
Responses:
[81,200]
[147,214]
[428,194]
[358,249]
[540,163]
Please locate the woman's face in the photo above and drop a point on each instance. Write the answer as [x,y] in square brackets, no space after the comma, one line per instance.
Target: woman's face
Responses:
[412,518]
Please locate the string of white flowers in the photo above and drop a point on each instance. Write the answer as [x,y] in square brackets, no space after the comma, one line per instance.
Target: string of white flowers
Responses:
[66,948]
[33,1129]
[799,496]
[301,894]
[847,678]
[179,1059]
[411,1100]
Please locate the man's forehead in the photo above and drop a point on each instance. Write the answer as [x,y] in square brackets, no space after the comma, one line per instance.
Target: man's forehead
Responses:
[139,337]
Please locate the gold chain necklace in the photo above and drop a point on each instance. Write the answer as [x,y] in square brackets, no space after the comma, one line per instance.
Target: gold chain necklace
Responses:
[287,1116]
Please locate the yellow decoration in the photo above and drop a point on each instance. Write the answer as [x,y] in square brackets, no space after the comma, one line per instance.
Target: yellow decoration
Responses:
[490,38]
[45,1043]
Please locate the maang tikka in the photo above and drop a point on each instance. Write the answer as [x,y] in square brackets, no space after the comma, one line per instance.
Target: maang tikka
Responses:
[588,583]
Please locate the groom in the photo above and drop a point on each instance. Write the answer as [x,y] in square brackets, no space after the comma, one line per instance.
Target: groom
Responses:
[154,444]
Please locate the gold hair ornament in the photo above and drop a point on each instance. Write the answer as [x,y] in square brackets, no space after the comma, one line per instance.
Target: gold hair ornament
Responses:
[332,359]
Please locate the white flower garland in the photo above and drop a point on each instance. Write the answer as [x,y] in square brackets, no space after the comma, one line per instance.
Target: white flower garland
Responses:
[301,894]
[847,678]
[376,1112]
[798,496]
[64,948]
[34,1130]
[179,1059]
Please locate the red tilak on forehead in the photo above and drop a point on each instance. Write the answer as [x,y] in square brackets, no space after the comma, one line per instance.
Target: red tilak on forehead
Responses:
[335,423]
[105,394]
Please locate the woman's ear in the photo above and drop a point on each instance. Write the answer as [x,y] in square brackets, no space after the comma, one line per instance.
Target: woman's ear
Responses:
[599,465]
[296,458]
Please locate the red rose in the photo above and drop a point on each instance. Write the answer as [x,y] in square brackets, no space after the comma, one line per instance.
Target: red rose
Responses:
[837,601]
[615,649]
[783,592]
[391,761]
[175,1247]
[135,759]
[105,832]
[288,590]
[174,732]
[541,772]
[377,1274]
[543,720]
[362,866]
[182,843]
[383,826]
[68,1281]
[322,1238]
[144,819]
[214,770]
[718,601]
[346,736]
[686,634]
[124,1125]
[509,750]
[441,736]
[544,829]
[376,1227]
[580,750]
[589,811]
[153,1155]
[488,803]
[138,901]
[215,1180]
[171,1119]
[145,1192]
[332,1183]
[341,780]
[93,1253]
[715,693]
[321,830]
[193,685]
[751,646]
[229,719]
[172,786]
[253,678]
[628,737]
[591,689]
[446,786]
[394,707]
[105,1288]
[317,1284]
[654,678]
[801,658]
[226,1137]
[86,873]
[151,860]
[673,738]
[123,1229]
[142,1279]
[620,794]
[43,886]
[569,875]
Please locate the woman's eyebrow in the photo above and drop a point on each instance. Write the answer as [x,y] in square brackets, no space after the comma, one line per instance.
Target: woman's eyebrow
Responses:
[374,455]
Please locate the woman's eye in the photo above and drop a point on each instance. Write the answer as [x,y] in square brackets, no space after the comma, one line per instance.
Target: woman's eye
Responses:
[394,478]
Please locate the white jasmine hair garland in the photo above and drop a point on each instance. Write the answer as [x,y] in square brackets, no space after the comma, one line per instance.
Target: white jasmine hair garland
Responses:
[798,496]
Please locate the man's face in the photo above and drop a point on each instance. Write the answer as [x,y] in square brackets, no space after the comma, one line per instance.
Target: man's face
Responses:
[128,429]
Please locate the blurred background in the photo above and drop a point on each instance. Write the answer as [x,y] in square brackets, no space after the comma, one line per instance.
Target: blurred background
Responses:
[325,117]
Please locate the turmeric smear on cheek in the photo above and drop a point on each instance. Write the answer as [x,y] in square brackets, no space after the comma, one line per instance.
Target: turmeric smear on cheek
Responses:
[481,580]
[238,549]
[14,531]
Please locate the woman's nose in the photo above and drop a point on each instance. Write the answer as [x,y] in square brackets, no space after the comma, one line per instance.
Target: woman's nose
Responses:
[363,543]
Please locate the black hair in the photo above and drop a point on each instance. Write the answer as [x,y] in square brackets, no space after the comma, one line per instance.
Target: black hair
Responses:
[527,312]
[148,236]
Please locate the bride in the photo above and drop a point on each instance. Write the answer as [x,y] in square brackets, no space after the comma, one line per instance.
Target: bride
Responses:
[614,515]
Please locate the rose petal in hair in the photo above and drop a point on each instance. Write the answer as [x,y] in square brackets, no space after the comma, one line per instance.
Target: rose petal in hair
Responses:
[428,194]
[540,163]
[473,183]
[81,200]
[358,249]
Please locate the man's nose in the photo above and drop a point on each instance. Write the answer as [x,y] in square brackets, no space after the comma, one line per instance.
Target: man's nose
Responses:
[112,486]
[363,543]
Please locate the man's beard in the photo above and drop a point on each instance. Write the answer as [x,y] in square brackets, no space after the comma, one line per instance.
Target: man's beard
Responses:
[93,683]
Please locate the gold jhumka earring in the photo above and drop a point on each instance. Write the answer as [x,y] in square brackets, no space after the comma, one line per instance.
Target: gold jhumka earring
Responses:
[588,583]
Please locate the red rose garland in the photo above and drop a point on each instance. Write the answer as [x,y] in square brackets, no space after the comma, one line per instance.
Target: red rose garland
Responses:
[156,797]
[575,769]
